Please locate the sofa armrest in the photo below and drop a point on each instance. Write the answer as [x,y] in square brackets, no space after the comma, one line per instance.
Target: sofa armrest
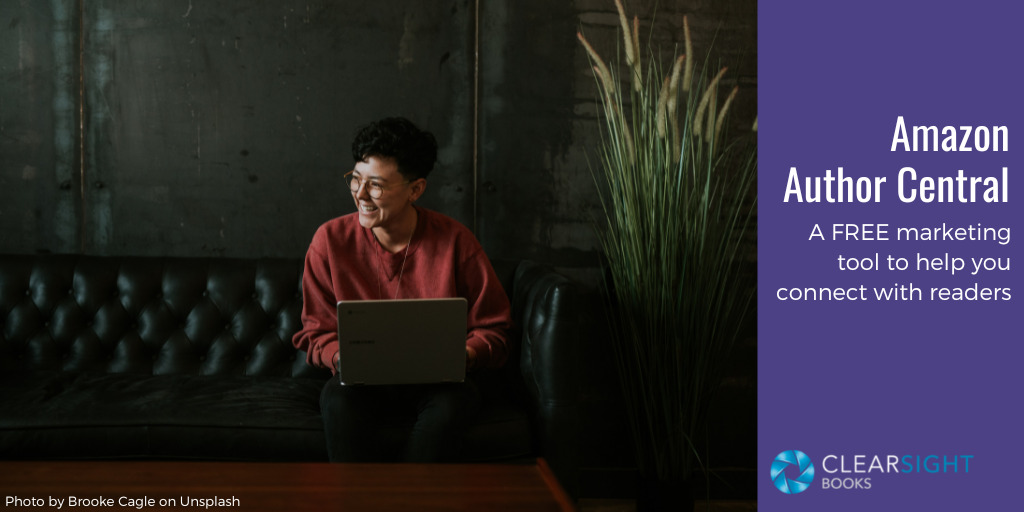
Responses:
[549,310]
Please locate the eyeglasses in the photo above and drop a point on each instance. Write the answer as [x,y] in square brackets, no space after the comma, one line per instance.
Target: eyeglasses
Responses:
[374,188]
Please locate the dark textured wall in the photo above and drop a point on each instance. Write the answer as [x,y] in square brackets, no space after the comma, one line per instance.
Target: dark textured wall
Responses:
[222,128]
[216,128]
[39,200]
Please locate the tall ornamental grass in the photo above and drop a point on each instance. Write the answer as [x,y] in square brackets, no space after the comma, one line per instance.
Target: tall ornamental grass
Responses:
[678,199]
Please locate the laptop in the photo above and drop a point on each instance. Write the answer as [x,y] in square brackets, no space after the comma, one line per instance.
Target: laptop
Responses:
[405,341]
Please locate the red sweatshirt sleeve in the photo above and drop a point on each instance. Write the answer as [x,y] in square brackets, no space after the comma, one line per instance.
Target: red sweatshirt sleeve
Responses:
[490,315]
[449,256]
[318,336]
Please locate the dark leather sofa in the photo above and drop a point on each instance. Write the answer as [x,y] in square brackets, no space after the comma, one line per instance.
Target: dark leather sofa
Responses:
[191,358]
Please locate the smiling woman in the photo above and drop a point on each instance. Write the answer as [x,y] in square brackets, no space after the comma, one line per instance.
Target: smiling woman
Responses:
[384,198]
[390,249]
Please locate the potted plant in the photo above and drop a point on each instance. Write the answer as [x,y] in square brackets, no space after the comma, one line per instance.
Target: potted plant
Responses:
[678,199]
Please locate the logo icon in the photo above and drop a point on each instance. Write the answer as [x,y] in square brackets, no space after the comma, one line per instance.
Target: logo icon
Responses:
[792,463]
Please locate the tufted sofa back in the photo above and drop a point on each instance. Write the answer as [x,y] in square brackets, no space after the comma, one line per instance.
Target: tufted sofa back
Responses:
[107,320]
[156,316]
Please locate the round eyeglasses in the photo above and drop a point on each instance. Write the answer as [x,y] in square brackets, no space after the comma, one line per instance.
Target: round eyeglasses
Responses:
[374,188]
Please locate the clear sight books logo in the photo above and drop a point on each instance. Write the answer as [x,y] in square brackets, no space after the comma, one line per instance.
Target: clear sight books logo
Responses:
[793,471]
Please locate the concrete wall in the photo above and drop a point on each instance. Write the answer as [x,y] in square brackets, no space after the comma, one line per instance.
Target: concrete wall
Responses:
[222,128]
[39,201]
[216,128]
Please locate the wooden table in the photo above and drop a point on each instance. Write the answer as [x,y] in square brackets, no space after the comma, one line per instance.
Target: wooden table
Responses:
[224,486]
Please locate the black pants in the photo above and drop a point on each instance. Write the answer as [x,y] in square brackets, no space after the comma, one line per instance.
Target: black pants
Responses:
[362,423]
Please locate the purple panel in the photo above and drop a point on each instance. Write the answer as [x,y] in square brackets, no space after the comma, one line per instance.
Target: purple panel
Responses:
[913,376]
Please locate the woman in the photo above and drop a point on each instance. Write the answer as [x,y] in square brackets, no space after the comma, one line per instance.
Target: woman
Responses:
[392,249]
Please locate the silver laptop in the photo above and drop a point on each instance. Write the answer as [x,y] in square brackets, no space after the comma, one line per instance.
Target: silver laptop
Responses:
[406,341]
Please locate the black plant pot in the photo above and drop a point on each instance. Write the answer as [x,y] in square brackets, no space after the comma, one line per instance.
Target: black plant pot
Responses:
[659,495]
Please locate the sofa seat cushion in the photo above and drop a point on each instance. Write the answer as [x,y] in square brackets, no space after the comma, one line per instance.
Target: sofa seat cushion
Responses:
[71,416]
[502,432]
[88,416]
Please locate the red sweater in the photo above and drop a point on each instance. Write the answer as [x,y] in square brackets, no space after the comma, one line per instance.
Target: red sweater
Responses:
[345,261]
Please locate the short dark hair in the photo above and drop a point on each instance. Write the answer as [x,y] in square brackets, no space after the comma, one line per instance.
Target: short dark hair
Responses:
[413,149]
